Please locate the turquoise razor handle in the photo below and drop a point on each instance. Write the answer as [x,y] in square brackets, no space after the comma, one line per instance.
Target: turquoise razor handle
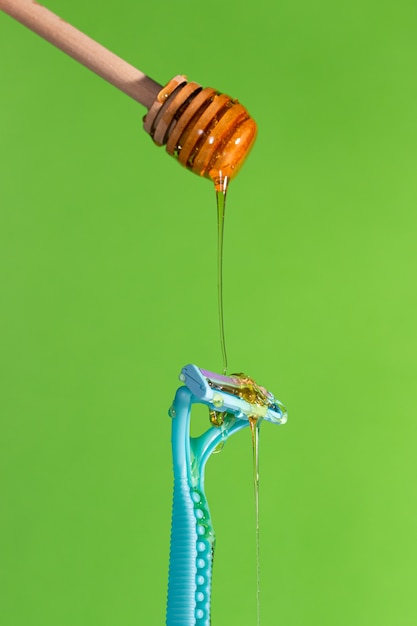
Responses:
[232,402]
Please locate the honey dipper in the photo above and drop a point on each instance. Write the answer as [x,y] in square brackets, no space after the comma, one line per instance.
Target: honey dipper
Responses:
[208,132]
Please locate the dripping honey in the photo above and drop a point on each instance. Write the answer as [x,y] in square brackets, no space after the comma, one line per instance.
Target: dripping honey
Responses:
[221,206]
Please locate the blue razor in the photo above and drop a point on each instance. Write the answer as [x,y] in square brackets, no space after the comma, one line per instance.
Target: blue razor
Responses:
[233,402]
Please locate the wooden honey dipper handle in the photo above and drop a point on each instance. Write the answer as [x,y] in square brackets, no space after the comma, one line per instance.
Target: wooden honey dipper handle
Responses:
[210,133]
[82,48]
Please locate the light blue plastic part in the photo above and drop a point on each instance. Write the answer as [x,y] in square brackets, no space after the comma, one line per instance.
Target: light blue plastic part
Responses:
[192,535]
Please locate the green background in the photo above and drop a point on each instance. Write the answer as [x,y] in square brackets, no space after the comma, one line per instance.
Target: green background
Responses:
[108,287]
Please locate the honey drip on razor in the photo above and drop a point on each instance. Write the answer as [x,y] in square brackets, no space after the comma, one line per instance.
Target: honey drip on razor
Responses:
[255,394]
[247,389]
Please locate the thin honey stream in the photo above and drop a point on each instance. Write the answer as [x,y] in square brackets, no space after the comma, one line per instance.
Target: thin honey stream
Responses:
[221,206]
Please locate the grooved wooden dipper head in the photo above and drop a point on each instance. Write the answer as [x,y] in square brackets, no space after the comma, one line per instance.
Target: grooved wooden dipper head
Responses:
[209,133]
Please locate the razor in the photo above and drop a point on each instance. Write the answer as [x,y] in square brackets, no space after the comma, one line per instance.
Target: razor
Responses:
[233,403]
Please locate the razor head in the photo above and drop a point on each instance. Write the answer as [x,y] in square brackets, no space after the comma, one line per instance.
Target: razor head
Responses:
[237,394]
